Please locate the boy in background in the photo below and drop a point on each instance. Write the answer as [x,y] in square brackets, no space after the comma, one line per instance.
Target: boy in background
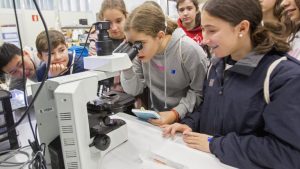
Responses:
[62,62]
[11,64]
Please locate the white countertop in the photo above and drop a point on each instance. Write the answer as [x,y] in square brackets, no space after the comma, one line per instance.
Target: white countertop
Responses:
[142,139]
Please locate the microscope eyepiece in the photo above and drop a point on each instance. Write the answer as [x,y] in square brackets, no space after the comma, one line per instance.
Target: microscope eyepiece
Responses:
[132,49]
[138,45]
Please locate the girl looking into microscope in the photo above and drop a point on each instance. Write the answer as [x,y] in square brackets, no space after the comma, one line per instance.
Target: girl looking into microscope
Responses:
[170,64]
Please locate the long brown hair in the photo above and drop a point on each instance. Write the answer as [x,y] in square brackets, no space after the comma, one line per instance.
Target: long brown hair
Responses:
[198,15]
[263,38]
[277,11]
[112,4]
[294,25]
[149,19]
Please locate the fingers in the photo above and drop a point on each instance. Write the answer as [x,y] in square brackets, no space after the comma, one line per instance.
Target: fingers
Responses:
[197,140]
[191,140]
[170,130]
[175,129]
[190,133]
[56,69]
[166,130]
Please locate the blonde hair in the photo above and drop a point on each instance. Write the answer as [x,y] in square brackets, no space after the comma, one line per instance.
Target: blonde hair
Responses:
[149,19]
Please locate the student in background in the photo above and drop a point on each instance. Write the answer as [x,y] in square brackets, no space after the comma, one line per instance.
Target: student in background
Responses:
[235,122]
[170,64]
[291,9]
[11,64]
[115,12]
[62,62]
[271,10]
[189,19]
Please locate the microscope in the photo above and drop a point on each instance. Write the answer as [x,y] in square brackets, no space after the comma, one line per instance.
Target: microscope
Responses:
[112,101]
[67,106]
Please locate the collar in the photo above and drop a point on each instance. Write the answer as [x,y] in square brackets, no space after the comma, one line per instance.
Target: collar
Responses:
[247,65]
[244,66]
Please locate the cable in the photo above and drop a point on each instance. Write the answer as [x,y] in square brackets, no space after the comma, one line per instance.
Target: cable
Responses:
[12,153]
[23,69]
[77,59]
[44,77]
[38,160]
[35,131]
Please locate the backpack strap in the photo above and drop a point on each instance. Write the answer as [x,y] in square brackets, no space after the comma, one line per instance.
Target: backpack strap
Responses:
[267,78]
[208,70]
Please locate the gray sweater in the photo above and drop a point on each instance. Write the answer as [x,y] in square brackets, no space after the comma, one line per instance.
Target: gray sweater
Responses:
[175,79]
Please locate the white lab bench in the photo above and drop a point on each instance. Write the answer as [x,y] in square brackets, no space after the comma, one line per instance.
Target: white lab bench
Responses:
[143,138]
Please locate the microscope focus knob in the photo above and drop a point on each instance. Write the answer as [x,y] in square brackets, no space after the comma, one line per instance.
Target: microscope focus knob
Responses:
[109,122]
[101,142]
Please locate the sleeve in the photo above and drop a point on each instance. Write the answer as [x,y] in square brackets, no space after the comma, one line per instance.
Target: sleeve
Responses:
[132,79]
[195,64]
[40,72]
[192,119]
[78,65]
[279,146]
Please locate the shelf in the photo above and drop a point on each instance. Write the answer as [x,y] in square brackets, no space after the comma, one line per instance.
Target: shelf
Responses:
[76,27]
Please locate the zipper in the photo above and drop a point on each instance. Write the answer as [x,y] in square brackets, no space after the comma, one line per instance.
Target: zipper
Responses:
[220,98]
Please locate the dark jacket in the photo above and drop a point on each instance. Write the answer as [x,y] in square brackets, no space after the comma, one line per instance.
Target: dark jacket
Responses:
[77,67]
[248,132]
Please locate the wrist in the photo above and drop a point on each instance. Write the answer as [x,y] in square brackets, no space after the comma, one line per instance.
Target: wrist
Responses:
[176,115]
[209,141]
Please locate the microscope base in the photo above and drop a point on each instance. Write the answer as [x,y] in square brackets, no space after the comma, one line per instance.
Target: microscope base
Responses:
[117,137]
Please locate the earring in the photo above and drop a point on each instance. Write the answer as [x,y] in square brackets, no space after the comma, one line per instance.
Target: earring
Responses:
[240,35]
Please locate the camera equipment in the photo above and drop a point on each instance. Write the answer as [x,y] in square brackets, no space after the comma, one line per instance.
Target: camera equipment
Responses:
[104,45]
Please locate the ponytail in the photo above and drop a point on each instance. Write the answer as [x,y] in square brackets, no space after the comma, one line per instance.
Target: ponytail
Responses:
[149,19]
[171,26]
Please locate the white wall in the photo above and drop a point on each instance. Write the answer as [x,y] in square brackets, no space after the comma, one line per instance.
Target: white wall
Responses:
[30,29]
[72,18]
[130,4]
